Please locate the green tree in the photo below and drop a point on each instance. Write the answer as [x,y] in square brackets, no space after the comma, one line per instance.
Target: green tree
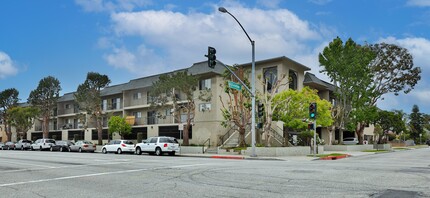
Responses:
[22,118]
[293,108]
[169,88]
[118,125]
[416,123]
[390,121]
[8,100]
[89,98]
[236,108]
[45,97]
[347,65]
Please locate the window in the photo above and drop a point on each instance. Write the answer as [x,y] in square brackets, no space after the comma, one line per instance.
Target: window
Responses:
[205,107]
[116,103]
[205,84]
[153,140]
[293,79]
[270,77]
[104,105]
[151,116]
[67,106]
[137,114]
[137,95]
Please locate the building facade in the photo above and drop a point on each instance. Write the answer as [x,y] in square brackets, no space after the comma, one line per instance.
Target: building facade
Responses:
[132,100]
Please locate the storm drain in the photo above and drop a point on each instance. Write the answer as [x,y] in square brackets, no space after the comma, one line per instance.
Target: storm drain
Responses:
[397,194]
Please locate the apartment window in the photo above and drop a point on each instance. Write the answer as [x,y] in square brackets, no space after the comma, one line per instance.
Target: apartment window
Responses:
[149,97]
[137,114]
[151,117]
[116,103]
[137,95]
[205,107]
[67,106]
[104,105]
[293,79]
[205,84]
[270,76]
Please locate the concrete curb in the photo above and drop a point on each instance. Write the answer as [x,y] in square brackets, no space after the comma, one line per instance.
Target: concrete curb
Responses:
[334,157]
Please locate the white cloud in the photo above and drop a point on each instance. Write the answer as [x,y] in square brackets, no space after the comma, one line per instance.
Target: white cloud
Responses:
[269,4]
[320,2]
[111,5]
[419,3]
[7,66]
[181,39]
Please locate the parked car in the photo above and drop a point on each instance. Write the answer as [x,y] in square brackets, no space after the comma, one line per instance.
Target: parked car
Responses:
[23,144]
[42,144]
[158,146]
[2,146]
[61,146]
[350,141]
[428,142]
[83,145]
[10,145]
[119,147]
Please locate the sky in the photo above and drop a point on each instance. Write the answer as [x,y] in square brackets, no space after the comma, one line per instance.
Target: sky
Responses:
[128,39]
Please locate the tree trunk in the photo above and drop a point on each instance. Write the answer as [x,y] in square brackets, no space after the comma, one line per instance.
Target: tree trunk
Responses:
[286,137]
[359,131]
[242,142]
[45,126]
[185,135]
[99,131]
[340,136]
[330,134]
[8,130]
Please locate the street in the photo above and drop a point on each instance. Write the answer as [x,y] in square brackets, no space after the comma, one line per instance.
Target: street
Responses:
[56,174]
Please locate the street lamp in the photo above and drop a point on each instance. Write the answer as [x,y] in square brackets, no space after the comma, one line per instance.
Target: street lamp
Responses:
[223,10]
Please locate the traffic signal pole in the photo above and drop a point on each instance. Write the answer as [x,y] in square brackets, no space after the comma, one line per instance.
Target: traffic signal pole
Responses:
[315,137]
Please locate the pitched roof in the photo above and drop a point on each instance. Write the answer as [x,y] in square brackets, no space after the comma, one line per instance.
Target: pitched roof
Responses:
[313,81]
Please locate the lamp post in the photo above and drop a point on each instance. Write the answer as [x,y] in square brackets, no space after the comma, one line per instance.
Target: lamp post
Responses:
[223,10]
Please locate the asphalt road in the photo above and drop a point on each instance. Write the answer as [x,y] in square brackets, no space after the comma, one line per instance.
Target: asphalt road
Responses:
[55,174]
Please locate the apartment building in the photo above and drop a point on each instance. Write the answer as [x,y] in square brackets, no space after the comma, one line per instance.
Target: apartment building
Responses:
[132,101]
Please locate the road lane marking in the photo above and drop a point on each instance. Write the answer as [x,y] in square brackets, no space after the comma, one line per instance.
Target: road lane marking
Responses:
[96,174]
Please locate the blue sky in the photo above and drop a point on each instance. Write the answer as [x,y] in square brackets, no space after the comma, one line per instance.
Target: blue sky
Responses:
[134,38]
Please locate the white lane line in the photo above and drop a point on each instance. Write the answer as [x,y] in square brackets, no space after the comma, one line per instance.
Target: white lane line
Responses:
[9,162]
[57,167]
[94,174]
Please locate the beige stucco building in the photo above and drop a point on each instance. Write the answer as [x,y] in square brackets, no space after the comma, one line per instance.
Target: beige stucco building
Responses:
[132,100]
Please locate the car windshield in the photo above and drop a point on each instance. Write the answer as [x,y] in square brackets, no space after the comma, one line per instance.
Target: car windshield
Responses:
[128,142]
[50,141]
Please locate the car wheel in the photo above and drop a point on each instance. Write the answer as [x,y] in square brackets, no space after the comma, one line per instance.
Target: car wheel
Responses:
[68,149]
[138,151]
[158,151]
[80,150]
[104,151]
[119,151]
[22,147]
[61,149]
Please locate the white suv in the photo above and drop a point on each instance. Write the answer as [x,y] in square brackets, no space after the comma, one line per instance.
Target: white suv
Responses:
[158,146]
[118,146]
[42,144]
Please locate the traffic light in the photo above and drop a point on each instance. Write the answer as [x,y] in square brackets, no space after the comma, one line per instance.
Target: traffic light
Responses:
[311,126]
[211,57]
[260,110]
[313,110]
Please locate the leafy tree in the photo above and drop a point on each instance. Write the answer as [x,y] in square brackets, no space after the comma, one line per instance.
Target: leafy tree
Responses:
[118,125]
[271,83]
[8,100]
[390,121]
[89,99]
[167,89]
[347,65]
[236,108]
[22,118]
[45,97]
[293,108]
[416,122]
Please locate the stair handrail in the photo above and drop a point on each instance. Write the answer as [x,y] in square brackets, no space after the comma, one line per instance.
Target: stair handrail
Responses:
[276,135]
[209,145]
[224,137]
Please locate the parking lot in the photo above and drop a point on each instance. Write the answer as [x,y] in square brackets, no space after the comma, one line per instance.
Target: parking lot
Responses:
[72,174]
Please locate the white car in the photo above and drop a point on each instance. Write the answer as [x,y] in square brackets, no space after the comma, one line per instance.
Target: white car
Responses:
[158,146]
[118,146]
[350,141]
[42,144]
[23,145]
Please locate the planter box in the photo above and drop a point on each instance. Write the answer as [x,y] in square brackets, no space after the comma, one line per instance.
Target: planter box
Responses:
[348,147]
[191,150]
[282,151]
